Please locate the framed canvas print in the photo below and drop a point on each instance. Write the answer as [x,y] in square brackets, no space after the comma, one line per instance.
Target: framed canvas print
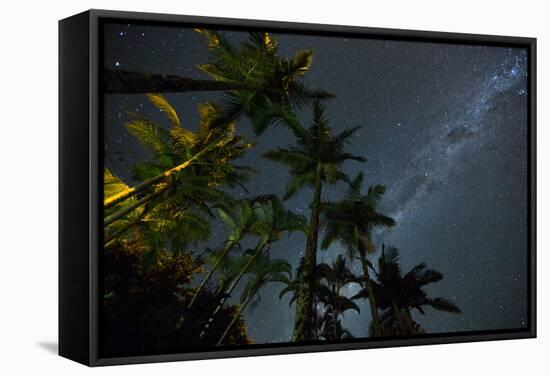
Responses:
[236,187]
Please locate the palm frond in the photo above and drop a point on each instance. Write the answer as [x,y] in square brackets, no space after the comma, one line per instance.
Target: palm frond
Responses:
[442,304]
[112,184]
[299,64]
[162,104]
[150,135]
[298,182]
[292,158]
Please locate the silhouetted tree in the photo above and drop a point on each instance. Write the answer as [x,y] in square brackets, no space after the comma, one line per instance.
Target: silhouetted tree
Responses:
[334,278]
[350,221]
[314,160]
[397,294]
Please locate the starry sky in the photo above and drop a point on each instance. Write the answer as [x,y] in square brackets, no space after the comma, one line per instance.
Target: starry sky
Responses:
[444,128]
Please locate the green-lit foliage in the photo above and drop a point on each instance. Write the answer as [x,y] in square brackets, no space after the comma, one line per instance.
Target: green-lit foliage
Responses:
[272,85]
[269,220]
[176,209]
[263,217]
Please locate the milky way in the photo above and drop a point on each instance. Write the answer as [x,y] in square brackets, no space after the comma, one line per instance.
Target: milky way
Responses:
[444,127]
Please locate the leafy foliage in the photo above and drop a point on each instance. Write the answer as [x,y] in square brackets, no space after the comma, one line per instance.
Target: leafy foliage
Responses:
[351,220]
[316,150]
[273,85]
[398,294]
[177,208]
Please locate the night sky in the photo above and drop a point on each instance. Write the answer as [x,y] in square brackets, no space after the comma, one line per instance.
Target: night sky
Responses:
[444,127]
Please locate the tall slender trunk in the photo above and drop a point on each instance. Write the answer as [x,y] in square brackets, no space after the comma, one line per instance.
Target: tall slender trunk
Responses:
[237,315]
[336,316]
[303,325]
[399,317]
[234,284]
[408,323]
[127,82]
[377,331]
[130,208]
[225,251]
[110,238]
[129,192]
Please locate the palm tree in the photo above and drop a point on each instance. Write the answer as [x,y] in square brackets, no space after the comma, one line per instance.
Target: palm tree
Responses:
[351,221]
[293,287]
[255,80]
[160,221]
[397,294]
[272,220]
[335,277]
[240,219]
[314,160]
[178,148]
[205,155]
[263,272]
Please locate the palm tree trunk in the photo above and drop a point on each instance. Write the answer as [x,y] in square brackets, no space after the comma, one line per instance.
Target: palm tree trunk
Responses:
[126,82]
[409,324]
[377,331]
[303,328]
[237,315]
[130,208]
[129,192]
[110,238]
[234,284]
[335,328]
[399,317]
[226,250]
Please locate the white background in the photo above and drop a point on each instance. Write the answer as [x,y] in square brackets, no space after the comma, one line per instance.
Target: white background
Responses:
[28,186]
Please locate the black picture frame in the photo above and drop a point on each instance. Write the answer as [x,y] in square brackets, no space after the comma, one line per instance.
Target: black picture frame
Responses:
[80,177]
